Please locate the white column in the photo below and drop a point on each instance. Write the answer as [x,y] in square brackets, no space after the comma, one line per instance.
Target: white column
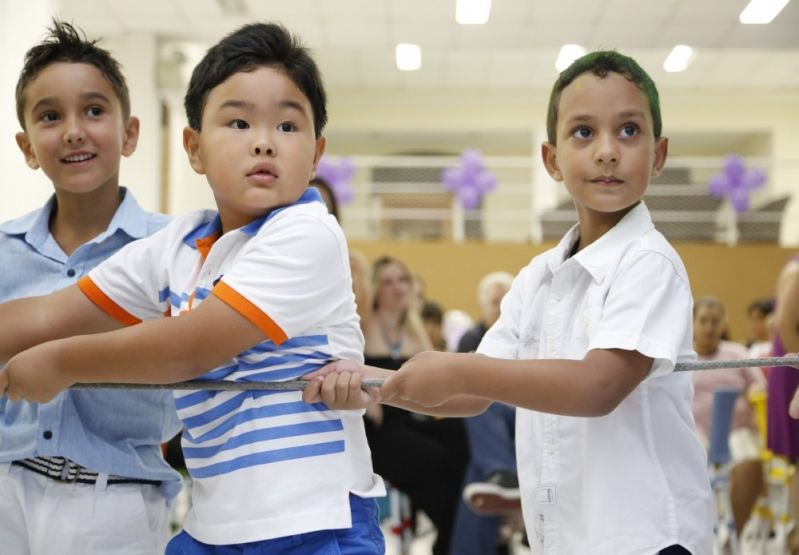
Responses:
[546,191]
[187,190]
[141,172]
[22,24]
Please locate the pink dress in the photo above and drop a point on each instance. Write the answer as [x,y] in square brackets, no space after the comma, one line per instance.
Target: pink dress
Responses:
[707,381]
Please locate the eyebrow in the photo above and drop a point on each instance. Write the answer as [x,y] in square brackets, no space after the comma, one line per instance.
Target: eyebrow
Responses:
[250,106]
[49,100]
[627,114]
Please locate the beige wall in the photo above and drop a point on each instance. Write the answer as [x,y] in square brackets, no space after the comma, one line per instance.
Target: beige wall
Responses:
[736,275]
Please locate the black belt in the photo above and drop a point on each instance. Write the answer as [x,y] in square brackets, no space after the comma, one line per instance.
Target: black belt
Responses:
[67,471]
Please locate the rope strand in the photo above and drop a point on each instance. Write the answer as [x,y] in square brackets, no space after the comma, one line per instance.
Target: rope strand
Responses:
[296,385]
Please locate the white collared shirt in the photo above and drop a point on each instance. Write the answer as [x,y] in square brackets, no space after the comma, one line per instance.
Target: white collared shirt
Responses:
[634,481]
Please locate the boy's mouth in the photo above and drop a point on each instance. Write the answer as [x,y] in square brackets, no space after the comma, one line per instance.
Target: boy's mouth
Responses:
[607,180]
[262,170]
[78,157]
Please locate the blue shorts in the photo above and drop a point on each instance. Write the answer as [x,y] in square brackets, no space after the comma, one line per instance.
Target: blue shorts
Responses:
[364,538]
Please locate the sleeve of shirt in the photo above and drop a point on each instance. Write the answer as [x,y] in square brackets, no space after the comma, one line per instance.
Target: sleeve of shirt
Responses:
[131,285]
[289,277]
[648,309]
[502,339]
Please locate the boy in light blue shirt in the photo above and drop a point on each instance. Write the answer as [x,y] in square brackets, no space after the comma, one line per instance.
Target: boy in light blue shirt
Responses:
[82,473]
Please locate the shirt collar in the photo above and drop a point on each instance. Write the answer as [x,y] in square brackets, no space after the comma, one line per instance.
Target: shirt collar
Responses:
[35,226]
[311,194]
[597,257]
[213,227]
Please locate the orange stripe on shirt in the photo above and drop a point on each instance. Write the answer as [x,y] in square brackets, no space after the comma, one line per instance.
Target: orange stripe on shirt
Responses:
[250,311]
[105,303]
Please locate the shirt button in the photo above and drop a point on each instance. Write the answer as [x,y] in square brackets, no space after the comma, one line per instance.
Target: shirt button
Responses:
[71,272]
[47,434]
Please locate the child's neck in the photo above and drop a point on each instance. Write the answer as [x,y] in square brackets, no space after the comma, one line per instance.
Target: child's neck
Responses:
[79,218]
[593,225]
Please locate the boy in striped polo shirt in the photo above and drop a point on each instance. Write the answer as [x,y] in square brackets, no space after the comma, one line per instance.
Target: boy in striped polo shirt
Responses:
[258,290]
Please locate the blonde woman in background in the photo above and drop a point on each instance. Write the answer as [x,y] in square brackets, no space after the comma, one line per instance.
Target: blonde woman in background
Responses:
[422,456]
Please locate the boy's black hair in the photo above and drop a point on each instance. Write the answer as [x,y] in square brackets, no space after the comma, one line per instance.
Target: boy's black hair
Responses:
[764,306]
[432,312]
[250,47]
[600,63]
[64,43]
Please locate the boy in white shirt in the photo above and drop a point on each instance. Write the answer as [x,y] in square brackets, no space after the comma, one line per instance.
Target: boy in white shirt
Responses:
[260,290]
[586,344]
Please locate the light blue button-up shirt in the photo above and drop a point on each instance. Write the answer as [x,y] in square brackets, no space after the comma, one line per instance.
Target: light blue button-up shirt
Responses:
[112,431]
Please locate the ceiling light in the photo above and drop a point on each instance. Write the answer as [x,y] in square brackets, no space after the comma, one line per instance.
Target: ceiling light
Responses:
[761,11]
[568,53]
[472,12]
[679,58]
[409,56]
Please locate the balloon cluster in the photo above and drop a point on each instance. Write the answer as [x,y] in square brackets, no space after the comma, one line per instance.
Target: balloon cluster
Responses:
[736,182]
[338,175]
[470,180]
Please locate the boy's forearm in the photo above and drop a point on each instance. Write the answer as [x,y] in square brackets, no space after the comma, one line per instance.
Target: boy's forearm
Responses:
[167,350]
[30,321]
[123,356]
[593,386]
[23,326]
[460,405]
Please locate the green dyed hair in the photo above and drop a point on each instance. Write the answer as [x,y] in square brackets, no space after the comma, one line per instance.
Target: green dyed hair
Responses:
[600,63]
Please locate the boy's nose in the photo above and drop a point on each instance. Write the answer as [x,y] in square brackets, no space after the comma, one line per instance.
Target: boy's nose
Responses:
[606,152]
[262,148]
[74,135]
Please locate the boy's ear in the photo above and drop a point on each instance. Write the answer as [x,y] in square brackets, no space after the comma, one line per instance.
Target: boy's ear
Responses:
[661,151]
[191,143]
[320,150]
[131,137]
[550,157]
[25,146]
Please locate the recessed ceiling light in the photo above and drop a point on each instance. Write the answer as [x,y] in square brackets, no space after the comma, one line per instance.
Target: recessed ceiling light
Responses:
[409,56]
[568,53]
[760,12]
[679,58]
[472,12]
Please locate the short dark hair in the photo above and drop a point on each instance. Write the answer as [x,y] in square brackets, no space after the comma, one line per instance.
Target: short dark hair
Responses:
[764,306]
[432,312]
[252,46]
[64,43]
[600,63]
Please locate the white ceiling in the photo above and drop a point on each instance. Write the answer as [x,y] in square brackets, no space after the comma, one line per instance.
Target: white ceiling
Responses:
[353,40]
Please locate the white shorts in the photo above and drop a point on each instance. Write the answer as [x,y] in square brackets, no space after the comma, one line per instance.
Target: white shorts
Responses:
[43,516]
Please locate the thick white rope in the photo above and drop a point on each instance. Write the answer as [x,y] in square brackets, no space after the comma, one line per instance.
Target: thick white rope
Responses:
[295,385]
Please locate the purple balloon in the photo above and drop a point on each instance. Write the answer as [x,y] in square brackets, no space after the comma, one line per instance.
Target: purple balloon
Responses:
[469,181]
[338,175]
[736,182]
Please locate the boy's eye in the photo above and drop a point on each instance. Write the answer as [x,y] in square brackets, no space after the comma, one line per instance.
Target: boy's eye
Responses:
[286,127]
[94,111]
[48,116]
[629,130]
[239,124]
[582,132]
